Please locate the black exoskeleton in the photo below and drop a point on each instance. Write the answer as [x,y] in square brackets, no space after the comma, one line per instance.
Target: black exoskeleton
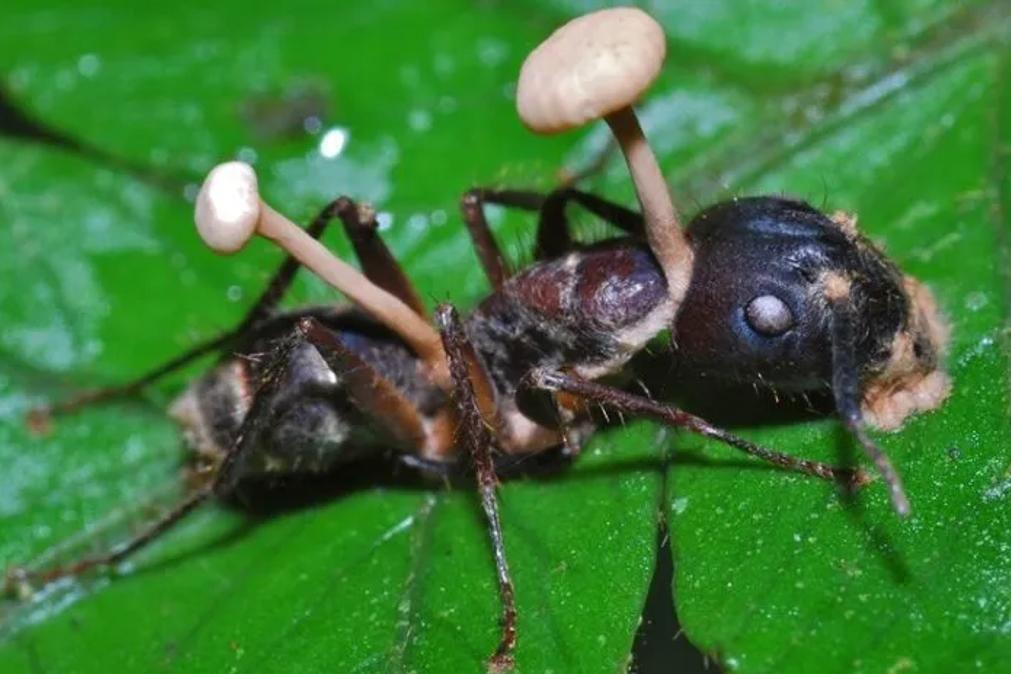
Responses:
[755,311]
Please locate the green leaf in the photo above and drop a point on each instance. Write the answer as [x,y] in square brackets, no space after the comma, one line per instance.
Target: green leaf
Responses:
[896,110]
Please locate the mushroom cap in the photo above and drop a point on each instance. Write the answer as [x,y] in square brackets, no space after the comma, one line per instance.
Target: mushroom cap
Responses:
[590,67]
[228,207]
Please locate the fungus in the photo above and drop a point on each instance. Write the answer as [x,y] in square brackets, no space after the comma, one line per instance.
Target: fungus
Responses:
[229,211]
[596,66]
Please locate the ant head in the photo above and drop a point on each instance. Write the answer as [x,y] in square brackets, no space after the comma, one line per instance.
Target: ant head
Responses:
[785,295]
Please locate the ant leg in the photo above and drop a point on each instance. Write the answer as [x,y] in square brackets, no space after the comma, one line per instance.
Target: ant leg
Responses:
[553,235]
[377,262]
[623,401]
[18,578]
[472,206]
[257,419]
[38,417]
[477,437]
[373,394]
[595,165]
[265,305]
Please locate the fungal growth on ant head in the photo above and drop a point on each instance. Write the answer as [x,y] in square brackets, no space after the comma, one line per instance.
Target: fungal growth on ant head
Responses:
[758,290]
[594,67]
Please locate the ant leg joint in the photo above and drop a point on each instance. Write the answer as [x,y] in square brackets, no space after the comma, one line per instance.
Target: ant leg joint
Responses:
[544,379]
[17,584]
[472,198]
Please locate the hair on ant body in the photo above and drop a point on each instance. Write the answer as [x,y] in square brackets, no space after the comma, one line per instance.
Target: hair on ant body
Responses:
[754,289]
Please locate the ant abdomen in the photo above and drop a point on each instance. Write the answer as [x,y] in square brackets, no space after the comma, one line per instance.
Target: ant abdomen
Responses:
[314,423]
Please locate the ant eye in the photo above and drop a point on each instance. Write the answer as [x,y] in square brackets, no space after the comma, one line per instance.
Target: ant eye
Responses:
[768,315]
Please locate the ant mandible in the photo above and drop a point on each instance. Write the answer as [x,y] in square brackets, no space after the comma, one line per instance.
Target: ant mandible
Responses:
[758,289]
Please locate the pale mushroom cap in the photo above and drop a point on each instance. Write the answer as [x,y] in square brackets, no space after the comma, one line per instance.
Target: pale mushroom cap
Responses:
[590,67]
[228,207]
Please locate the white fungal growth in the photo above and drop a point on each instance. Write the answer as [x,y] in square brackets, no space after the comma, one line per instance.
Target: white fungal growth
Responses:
[228,207]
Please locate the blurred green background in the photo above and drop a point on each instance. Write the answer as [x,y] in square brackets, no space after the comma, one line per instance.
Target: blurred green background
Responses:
[896,109]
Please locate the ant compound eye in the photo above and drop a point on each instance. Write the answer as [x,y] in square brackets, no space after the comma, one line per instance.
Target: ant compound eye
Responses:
[768,315]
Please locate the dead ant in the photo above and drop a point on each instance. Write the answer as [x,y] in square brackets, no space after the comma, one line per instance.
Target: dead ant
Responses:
[758,289]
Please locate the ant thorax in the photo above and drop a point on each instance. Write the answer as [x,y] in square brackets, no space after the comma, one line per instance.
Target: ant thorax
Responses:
[587,312]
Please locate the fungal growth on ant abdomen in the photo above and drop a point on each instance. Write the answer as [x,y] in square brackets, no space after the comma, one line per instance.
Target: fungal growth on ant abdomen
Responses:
[229,211]
[757,290]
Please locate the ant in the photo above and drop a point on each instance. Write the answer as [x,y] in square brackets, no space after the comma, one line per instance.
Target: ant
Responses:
[760,289]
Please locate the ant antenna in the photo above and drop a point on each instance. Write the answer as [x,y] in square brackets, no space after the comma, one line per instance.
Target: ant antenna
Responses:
[229,211]
[846,385]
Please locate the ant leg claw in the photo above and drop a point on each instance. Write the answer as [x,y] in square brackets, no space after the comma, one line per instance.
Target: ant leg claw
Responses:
[857,478]
[39,420]
[17,584]
[501,662]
